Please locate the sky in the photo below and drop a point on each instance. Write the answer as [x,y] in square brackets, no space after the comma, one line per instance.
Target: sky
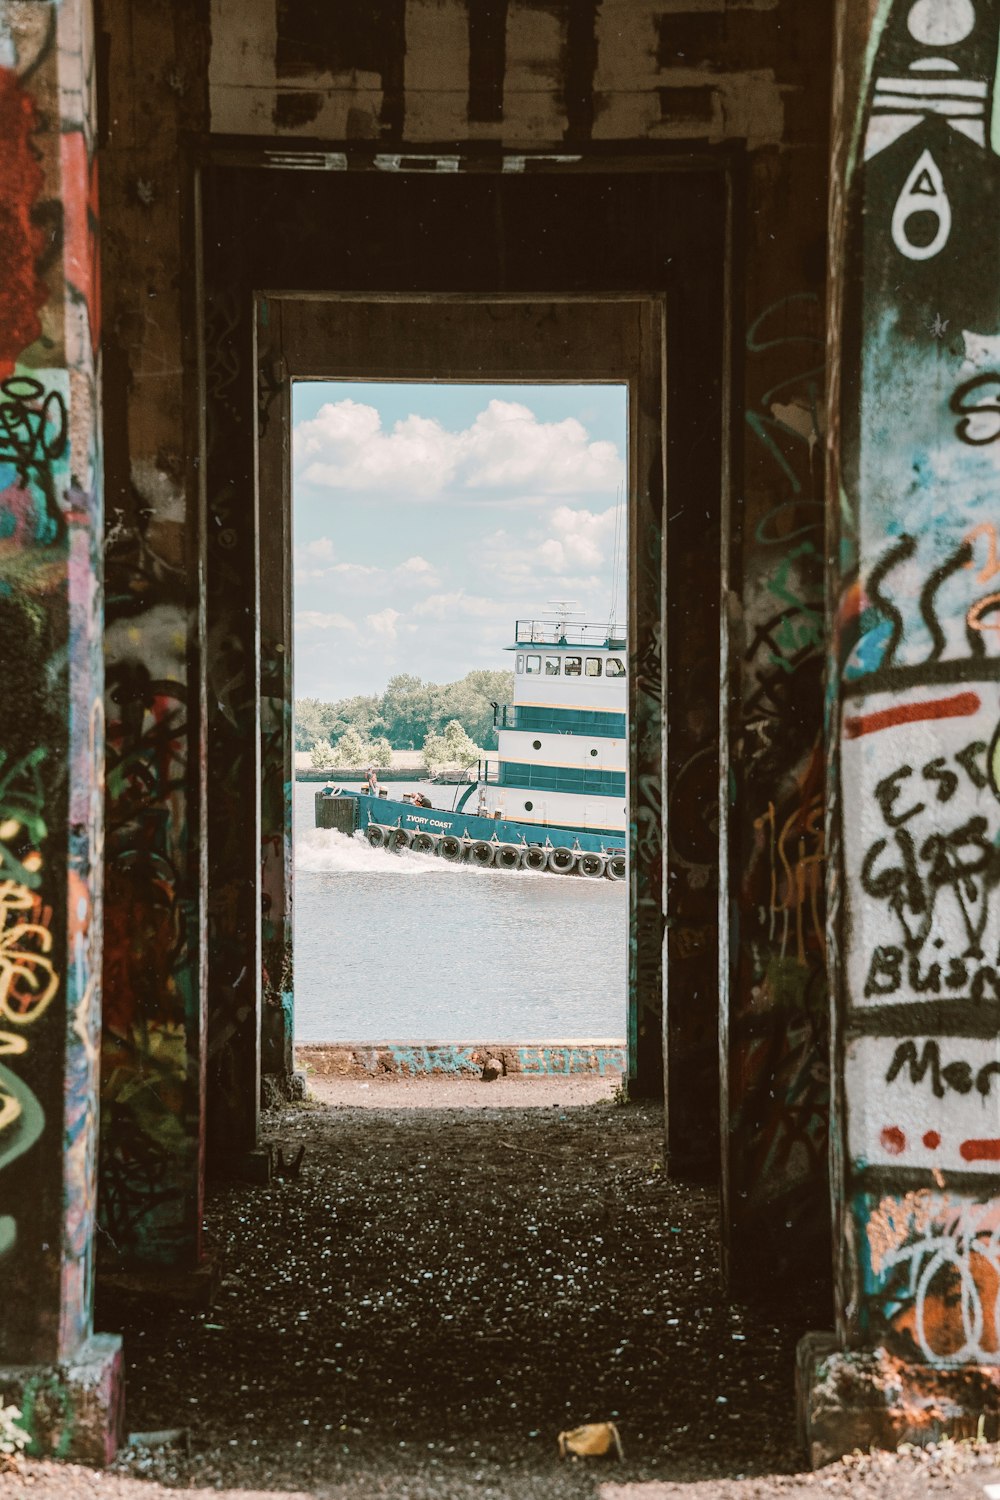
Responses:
[427,518]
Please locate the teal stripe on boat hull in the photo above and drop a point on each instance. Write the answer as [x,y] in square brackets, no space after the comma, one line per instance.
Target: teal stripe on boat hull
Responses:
[602,724]
[562,779]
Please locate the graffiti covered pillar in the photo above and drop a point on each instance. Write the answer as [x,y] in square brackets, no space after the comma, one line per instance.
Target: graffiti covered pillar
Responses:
[774,1005]
[277,751]
[237,875]
[914,715]
[153,1047]
[66,1380]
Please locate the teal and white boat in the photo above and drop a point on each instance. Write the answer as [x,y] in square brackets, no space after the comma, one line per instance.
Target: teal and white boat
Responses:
[555,794]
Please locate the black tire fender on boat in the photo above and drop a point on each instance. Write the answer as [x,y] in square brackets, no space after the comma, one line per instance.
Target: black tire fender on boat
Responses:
[376,835]
[615,868]
[508,857]
[590,864]
[449,847]
[422,843]
[534,857]
[399,838]
[482,852]
[561,860]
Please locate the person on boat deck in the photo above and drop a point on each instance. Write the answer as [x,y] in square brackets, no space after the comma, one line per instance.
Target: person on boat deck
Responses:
[419,799]
[372,781]
[482,809]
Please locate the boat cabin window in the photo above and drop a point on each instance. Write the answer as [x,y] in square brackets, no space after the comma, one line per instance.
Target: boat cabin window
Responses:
[615,667]
[532,665]
[552,666]
[573,665]
[520,661]
[593,666]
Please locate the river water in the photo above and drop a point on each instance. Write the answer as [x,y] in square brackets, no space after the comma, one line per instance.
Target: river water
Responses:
[405,947]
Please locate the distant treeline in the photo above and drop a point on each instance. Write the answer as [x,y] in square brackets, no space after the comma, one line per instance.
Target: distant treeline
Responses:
[407,712]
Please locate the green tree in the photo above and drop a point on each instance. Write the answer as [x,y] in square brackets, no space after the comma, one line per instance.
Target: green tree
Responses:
[452,749]
[406,708]
[408,711]
[379,752]
[308,722]
[362,712]
[470,701]
[322,755]
[351,749]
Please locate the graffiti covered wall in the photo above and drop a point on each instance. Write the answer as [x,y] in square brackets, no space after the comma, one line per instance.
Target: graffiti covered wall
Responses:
[51,729]
[918,668]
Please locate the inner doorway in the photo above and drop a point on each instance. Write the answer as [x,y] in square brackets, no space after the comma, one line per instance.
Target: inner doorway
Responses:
[460,646]
[612,340]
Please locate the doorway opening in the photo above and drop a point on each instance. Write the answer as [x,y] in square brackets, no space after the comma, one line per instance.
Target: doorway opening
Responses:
[460,648]
[472,341]
[542,276]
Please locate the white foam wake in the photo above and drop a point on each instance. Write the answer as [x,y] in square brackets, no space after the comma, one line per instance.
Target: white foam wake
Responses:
[325,850]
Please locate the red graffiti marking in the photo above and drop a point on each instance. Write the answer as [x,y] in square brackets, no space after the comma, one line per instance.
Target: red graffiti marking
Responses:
[21,241]
[980,1150]
[893,1140]
[932,1140]
[960,706]
[79,197]
[852,605]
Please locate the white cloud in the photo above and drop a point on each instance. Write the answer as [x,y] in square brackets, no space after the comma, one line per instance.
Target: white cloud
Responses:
[573,549]
[320,550]
[417,573]
[358,580]
[418,566]
[355,570]
[317,619]
[383,624]
[345,447]
[460,606]
[313,559]
[581,539]
[506,448]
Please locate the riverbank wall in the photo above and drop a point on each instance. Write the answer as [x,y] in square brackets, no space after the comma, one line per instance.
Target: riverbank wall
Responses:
[560,1059]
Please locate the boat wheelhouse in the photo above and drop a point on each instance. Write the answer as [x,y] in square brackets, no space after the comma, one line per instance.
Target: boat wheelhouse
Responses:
[562,743]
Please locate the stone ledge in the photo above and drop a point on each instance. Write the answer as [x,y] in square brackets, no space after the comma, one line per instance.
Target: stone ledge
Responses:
[860,1399]
[74,1410]
[569,1058]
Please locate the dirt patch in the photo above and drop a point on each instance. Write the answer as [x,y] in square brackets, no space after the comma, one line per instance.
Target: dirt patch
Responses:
[386,1092]
[442,1290]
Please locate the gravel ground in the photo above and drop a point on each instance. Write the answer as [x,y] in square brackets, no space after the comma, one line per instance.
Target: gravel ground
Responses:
[441,1290]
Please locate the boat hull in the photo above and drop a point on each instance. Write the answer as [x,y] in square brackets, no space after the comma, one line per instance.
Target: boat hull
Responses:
[388,812]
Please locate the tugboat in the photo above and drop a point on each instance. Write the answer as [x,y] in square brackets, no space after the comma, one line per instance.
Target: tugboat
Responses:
[555,796]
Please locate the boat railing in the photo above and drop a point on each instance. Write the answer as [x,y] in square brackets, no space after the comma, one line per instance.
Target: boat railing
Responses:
[569,633]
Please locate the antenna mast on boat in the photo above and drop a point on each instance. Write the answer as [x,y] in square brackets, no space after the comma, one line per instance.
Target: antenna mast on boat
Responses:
[565,610]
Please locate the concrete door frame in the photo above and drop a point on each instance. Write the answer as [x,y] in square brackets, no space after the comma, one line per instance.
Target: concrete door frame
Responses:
[472,338]
[595,229]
